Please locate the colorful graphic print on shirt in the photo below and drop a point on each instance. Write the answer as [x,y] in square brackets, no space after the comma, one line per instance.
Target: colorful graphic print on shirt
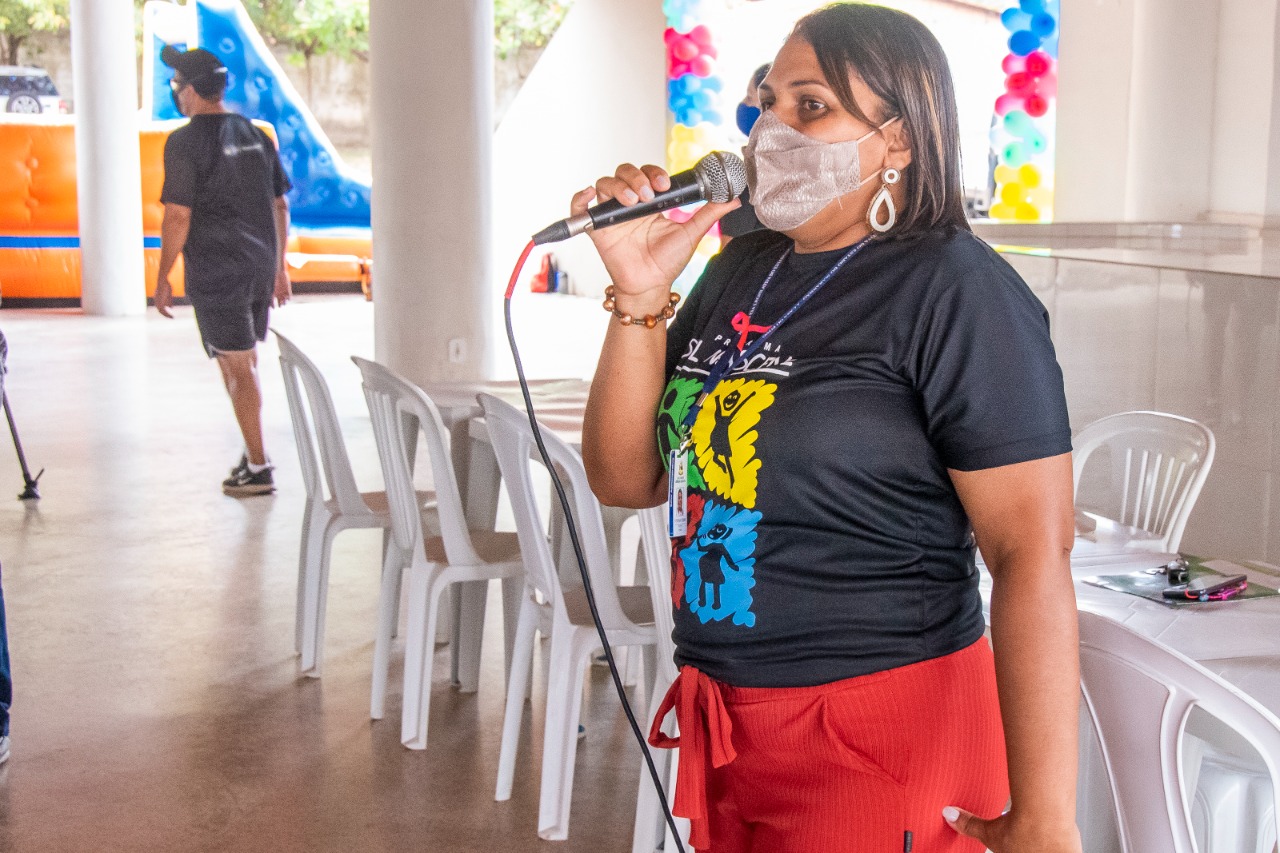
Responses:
[713,564]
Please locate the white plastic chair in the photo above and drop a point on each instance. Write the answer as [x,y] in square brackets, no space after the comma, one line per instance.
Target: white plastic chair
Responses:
[322,451]
[433,562]
[626,612]
[1140,695]
[1158,464]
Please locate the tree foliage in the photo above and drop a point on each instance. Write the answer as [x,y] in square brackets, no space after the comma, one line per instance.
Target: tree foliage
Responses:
[21,19]
[525,23]
[311,28]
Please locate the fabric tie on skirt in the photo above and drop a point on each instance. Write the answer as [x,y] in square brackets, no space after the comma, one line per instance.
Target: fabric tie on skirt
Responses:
[705,735]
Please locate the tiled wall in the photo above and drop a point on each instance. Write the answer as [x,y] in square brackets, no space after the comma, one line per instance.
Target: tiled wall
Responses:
[1201,345]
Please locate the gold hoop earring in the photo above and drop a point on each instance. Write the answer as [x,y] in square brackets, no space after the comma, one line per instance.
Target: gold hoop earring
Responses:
[883,199]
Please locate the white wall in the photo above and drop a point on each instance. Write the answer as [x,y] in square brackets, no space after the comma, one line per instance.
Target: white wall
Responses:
[1243,119]
[1168,111]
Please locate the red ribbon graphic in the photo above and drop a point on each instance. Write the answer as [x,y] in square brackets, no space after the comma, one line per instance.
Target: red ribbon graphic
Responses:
[741,324]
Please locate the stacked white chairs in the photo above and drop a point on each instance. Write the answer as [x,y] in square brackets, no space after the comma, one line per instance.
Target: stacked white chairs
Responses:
[549,606]
[400,411]
[322,455]
[1158,464]
[1141,695]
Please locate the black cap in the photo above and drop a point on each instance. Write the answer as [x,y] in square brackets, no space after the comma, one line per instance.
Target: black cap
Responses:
[192,64]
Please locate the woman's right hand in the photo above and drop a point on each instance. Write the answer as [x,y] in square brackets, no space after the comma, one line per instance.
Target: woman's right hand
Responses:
[644,256]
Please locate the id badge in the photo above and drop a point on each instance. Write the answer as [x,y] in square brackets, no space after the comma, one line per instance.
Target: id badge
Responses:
[678,493]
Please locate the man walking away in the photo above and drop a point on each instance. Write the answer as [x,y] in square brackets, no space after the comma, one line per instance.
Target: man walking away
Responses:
[225,213]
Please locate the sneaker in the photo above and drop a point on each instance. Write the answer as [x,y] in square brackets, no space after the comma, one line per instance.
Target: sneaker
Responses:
[242,465]
[244,482]
[4,748]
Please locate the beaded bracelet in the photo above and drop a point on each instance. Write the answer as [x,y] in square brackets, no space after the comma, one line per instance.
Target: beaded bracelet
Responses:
[649,321]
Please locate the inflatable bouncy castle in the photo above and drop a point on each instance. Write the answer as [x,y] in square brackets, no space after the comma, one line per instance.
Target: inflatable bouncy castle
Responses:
[39,237]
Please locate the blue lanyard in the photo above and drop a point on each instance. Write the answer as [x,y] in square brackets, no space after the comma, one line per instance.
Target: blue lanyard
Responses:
[725,364]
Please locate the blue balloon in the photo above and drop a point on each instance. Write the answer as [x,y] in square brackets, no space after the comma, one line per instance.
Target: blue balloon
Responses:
[691,118]
[713,116]
[1043,25]
[1014,20]
[1032,7]
[712,83]
[1023,42]
[701,101]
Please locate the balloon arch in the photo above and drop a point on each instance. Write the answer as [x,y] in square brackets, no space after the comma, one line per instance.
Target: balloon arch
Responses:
[1022,123]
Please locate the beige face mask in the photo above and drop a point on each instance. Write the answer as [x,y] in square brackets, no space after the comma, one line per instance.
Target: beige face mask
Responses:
[793,176]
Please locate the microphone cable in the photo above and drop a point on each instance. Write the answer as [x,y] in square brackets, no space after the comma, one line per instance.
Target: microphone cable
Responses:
[572,528]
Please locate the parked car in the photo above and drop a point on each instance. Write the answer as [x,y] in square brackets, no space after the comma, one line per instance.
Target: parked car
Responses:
[29,90]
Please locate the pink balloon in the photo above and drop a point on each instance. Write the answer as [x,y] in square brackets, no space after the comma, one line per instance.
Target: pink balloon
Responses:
[669,35]
[1047,86]
[1038,62]
[1020,83]
[701,35]
[1006,104]
[702,66]
[1036,106]
[1013,63]
[677,69]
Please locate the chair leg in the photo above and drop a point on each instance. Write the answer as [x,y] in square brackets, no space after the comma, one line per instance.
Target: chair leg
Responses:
[419,655]
[388,616]
[646,837]
[521,664]
[470,633]
[387,545]
[560,742]
[514,594]
[317,597]
[304,562]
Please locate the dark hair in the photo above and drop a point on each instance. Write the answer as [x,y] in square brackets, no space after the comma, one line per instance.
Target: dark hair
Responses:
[903,64]
[757,76]
[210,86]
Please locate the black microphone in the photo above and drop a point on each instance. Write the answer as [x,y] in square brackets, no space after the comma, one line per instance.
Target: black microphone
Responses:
[718,177]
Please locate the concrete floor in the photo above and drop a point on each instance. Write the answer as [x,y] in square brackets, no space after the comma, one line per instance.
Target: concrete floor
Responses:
[158,707]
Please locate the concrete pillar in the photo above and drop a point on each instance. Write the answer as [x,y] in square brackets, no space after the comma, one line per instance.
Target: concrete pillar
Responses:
[1271,204]
[108,174]
[431,100]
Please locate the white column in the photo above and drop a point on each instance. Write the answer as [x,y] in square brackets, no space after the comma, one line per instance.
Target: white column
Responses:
[431,99]
[108,174]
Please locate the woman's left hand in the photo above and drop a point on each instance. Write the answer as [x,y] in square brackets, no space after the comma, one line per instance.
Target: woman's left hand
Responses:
[1007,834]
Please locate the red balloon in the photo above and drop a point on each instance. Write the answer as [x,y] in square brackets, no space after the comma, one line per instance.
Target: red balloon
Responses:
[1047,85]
[669,35]
[1020,83]
[1036,106]
[702,66]
[701,35]
[1006,104]
[1037,63]
[1013,63]
[684,49]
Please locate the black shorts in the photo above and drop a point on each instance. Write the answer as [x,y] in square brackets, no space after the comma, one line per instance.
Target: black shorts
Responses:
[231,323]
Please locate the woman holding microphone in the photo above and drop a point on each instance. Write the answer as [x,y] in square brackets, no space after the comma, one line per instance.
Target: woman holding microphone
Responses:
[844,404]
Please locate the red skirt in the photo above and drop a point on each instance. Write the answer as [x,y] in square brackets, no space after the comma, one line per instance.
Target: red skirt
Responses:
[863,765]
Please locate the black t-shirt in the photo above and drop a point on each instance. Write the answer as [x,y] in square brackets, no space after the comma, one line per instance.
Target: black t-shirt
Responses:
[228,172]
[825,538]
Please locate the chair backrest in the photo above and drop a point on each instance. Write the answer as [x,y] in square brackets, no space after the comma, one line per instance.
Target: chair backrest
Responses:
[397,408]
[1140,694]
[513,443]
[326,440]
[1158,464]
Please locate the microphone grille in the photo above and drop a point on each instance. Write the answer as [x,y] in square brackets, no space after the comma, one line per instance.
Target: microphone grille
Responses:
[722,176]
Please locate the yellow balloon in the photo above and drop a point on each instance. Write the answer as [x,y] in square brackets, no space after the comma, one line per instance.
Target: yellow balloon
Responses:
[1013,193]
[1005,174]
[707,247]
[1026,213]
[1041,197]
[1002,211]
[1029,176]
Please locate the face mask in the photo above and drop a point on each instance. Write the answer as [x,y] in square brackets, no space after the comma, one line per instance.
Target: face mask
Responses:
[793,176]
[747,116]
